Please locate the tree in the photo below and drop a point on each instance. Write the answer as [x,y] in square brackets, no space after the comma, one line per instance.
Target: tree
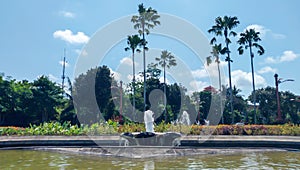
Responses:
[147,19]
[15,101]
[166,60]
[133,42]
[249,39]
[47,97]
[268,106]
[223,27]
[216,51]
[89,110]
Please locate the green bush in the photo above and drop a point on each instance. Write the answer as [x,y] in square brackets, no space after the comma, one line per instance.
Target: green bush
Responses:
[112,127]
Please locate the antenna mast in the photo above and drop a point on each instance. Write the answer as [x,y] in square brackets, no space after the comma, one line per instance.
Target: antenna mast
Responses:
[63,73]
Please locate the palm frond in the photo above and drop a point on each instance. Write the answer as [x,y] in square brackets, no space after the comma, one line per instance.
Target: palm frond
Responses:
[241,50]
[208,60]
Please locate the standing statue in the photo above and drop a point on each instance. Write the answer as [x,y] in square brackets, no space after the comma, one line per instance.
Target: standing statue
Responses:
[148,119]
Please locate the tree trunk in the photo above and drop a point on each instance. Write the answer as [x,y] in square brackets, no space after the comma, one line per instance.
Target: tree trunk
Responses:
[133,85]
[230,85]
[144,59]
[253,84]
[165,97]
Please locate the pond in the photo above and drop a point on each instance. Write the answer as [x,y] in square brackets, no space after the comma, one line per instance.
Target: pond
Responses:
[32,159]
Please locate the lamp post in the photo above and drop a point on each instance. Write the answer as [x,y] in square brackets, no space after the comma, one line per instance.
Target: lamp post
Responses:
[278,81]
[121,99]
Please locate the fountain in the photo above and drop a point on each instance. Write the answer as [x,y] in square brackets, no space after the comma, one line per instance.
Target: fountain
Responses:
[151,138]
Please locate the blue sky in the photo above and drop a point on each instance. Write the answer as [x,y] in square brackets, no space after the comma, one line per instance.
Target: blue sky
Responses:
[34,34]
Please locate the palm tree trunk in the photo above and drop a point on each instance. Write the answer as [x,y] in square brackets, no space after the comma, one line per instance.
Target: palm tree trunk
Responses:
[220,87]
[165,97]
[230,85]
[253,84]
[144,59]
[133,84]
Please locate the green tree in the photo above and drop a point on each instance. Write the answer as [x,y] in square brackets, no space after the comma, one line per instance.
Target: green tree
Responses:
[15,101]
[92,95]
[223,27]
[47,97]
[268,106]
[133,42]
[166,59]
[249,39]
[146,20]
[239,104]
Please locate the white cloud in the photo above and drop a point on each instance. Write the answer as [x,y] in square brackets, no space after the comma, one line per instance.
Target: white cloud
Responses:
[68,36]
[67,14]
[267,69]
[212,69]
[128,61]
[199,73]
[62,62]
[288,56]
[243,80]
[285,57]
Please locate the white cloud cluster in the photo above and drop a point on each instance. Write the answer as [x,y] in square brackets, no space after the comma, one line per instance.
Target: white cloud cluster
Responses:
[267,69]
[285,57]
[67,14]
[68,36]
[199,73]
[243,80]
[126,61]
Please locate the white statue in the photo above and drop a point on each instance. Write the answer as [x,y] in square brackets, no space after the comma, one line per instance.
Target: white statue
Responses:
[148,119]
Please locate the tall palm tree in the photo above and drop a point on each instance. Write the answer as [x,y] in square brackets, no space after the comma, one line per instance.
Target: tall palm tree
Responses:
[147,19]
[216,51]
[133,42]
[223,27]
[166,59]
[249,39]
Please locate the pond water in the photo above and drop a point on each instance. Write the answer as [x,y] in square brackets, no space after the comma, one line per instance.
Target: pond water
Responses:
[31,159]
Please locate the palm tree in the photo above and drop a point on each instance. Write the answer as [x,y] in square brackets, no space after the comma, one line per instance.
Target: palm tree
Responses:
[216,51]
[249,39]
[223,27]
[133,42]
[166,59]
[147,19]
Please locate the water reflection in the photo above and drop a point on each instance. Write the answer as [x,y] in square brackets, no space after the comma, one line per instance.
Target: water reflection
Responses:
[24,159]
